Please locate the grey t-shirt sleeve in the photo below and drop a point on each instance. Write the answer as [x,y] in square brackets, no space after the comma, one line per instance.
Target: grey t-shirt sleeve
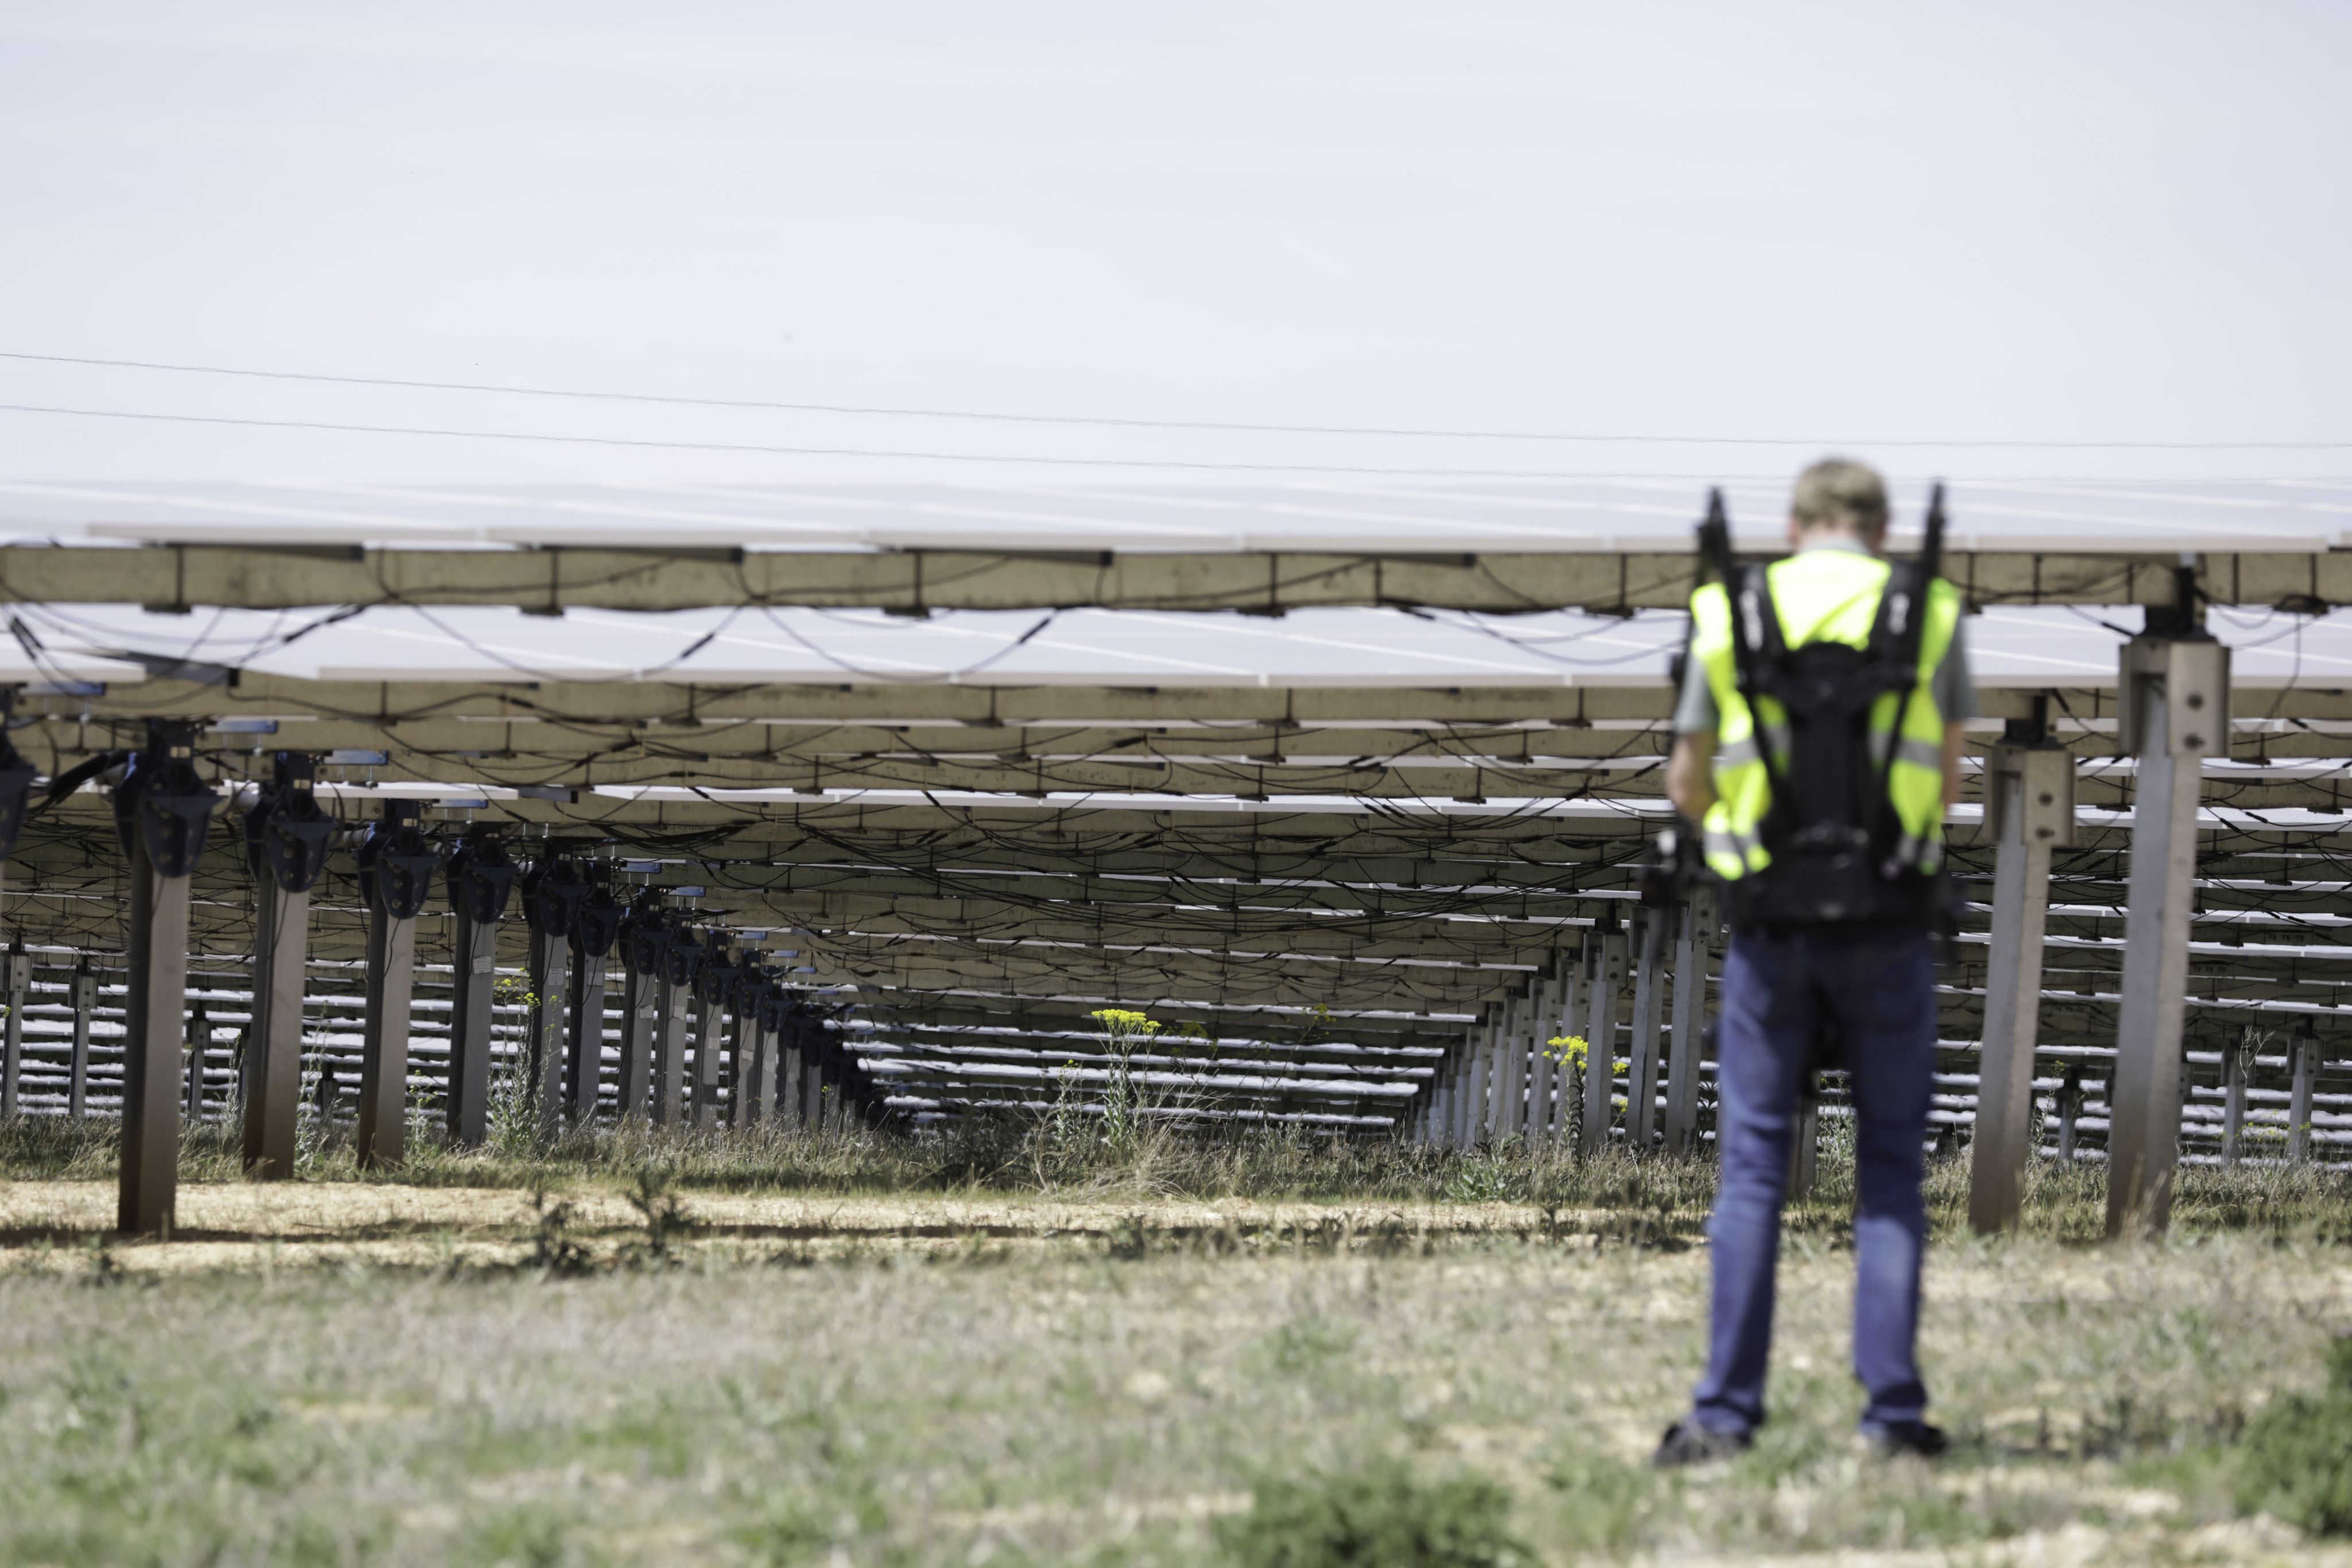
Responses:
[1695,709]
[1954,685]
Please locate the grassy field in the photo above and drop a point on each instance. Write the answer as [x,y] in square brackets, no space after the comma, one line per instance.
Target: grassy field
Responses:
[863,1350]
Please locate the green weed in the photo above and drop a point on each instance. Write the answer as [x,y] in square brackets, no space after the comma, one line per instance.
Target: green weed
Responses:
[2297,1460]
[1380,1515]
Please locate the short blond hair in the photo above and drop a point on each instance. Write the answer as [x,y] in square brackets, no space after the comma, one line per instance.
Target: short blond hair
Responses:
[1838,493]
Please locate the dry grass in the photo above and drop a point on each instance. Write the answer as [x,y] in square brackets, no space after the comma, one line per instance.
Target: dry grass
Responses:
[568,1361]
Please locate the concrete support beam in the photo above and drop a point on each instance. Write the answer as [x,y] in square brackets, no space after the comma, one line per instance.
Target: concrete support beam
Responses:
[2175,705]
[2029,797]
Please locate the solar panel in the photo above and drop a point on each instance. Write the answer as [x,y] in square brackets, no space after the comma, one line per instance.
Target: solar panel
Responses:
[1433,518]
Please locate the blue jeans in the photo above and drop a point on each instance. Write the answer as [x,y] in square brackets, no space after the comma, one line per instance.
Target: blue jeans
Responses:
[1878,986]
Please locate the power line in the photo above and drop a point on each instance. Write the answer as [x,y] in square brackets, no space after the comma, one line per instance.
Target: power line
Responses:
[1190,467]
[1205,424]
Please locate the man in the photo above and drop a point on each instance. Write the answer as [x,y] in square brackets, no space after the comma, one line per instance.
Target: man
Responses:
[1855,960]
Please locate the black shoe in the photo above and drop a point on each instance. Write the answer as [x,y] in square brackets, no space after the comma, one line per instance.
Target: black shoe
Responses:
[1892,1439]
[1688,1443]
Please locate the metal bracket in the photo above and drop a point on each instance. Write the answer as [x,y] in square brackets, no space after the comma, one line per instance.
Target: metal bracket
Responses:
[596,923]
[395,862]
[2193,675]
[553,889]
[163,802]
[480,875]
[287,831]
[2045,776]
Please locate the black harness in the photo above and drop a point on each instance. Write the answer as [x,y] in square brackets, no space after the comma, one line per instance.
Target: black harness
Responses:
[1831,829]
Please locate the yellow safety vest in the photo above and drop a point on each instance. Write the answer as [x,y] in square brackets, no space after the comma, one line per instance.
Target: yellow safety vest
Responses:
[1820,595]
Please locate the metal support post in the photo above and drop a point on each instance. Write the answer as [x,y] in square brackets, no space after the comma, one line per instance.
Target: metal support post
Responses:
[380,1140]
[640,1022]
[2070,1107]
[1682,1060]
[395,867]
[1442,1087]
[813,1098]
[473,1008]
[790,1065]
[152,1049]
[1805,1148]
[273,1048]
[2237,1062]
[595,929]
[550,971]
[1457,1087]
[751,1074]
[2029,782]
[709,1042]
[286,837]
[584,1071]
[673,1000]
[1571,1002]
[162,811]
[1543,1009]
[2302,1065]
[192,1071]
[1600,1039]
[85,1003]
[1641,1066]
[1474,1111]
[12,1044]
[480,879]
[554,890]
[1507,1089]
[2174,707]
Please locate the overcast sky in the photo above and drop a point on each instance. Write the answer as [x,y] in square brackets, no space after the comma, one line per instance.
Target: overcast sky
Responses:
[1836,224]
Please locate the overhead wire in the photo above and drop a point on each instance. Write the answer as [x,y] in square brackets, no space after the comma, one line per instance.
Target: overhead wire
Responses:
[1125,422]
[1020,459]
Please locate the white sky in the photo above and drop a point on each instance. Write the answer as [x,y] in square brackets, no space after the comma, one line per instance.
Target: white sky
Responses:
[2029,222]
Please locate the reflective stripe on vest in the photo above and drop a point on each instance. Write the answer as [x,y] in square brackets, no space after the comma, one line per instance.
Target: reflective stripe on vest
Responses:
[1822,595]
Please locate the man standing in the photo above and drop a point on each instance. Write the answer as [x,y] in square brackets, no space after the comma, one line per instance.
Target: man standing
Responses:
[1817,743]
